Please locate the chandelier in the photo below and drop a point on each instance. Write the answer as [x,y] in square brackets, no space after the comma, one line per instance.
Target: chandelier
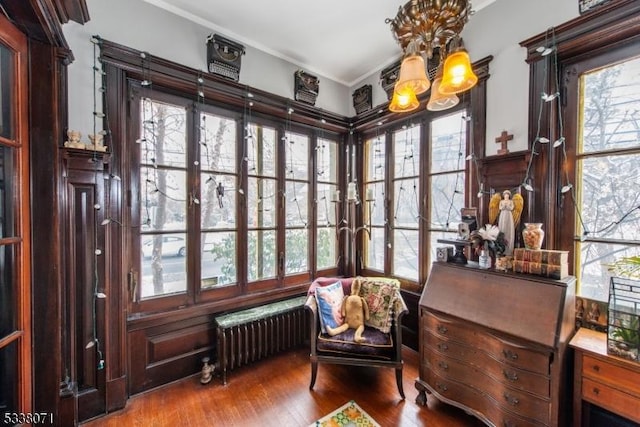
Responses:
[420,27]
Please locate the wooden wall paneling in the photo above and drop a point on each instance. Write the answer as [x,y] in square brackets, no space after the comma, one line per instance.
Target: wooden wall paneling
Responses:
[115,245]
[86,188]
[500,173]
[167,351]
[47,110]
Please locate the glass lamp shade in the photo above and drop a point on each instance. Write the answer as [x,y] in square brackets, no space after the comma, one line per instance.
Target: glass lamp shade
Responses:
[458,75]
[439,101]
[413,75]
[403,100]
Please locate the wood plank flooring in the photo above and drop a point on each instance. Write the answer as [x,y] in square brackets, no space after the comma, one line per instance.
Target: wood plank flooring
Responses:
[274,392]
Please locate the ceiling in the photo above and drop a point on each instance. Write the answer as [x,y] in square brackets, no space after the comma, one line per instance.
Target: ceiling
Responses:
[343,40]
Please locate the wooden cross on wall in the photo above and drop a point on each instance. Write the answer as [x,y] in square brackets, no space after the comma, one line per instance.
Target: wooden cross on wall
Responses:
[502,140]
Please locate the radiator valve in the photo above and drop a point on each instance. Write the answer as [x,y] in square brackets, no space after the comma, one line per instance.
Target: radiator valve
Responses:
[207,371]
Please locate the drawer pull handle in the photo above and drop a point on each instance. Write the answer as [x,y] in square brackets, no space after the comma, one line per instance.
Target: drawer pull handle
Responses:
[596,368]
[443,365]
[511,400]
[443,347]
[511,376]
[442,329]
[510,354]
[441,387]
[596,391]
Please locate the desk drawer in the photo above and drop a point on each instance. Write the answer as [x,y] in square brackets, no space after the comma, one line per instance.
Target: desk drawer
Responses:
[611,399]
[600,371]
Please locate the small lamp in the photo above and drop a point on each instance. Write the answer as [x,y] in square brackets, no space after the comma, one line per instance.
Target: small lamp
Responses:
[404,100]
[439,101]
[457,75]
[413,72]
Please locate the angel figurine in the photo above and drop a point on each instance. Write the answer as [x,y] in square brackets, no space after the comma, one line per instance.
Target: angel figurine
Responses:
[507,211]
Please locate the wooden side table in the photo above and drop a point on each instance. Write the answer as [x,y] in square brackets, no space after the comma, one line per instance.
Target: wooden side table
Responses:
[601,379]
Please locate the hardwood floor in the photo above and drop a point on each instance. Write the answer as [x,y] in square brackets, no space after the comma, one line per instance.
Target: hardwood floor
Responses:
[275,392]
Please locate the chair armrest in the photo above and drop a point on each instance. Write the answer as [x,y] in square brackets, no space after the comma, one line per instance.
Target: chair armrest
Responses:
[311,304]
[400,308]
[311,307]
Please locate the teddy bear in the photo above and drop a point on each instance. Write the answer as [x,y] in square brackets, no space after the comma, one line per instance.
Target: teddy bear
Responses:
[354,311]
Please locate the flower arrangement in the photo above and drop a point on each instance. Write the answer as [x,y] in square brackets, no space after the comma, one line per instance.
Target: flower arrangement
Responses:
[488,238]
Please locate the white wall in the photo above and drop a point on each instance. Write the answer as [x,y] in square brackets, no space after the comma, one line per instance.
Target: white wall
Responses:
[497,30]
[141,26]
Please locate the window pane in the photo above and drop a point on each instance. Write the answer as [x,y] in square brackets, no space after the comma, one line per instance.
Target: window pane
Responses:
[8,283]
[163,264]
[327,153]
[611,102]
[406,211]
[327,247]
[406,144]
[448,143]
[434,244]
[297,156]
[326,208]
[609,191]
[6,92]
[261,150]
[297,250]
[405,253]
[297,194]
[218,201]
[7,192]
[261,202]
[374,249]
[262,254]
[217,144]
[163,135]
[9,373]
[447,198]
[375,154]
[377,205]
[163,205]
[594,260]
[218,259]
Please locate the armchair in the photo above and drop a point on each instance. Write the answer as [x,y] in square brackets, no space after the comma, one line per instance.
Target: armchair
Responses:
[382,346]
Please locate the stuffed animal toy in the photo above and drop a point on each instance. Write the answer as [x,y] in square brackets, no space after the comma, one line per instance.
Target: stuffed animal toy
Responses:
[354,311]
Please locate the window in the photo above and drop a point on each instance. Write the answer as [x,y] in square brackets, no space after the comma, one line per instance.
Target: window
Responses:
[396,246]
[326,194]
[374,181]
[297,192]
[225,208]
[406,202]
[607,155]
[262,202]
[446,177]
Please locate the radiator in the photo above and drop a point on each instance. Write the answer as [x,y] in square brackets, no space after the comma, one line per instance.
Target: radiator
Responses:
[250,335]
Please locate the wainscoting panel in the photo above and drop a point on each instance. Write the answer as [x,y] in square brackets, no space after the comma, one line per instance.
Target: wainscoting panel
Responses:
[165,352]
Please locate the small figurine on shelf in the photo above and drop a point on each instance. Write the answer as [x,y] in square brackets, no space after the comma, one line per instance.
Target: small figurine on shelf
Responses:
[74,140]
[97,143]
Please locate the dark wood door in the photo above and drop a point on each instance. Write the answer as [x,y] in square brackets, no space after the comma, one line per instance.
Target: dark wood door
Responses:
[15,282]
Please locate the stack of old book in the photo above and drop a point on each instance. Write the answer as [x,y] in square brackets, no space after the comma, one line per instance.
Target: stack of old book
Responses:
[542,262]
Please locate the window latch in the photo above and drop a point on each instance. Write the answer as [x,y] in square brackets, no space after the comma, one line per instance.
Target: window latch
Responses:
[132,278]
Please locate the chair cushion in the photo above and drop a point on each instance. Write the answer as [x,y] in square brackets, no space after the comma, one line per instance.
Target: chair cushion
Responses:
[381,295]
[377,345]
[329,299]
